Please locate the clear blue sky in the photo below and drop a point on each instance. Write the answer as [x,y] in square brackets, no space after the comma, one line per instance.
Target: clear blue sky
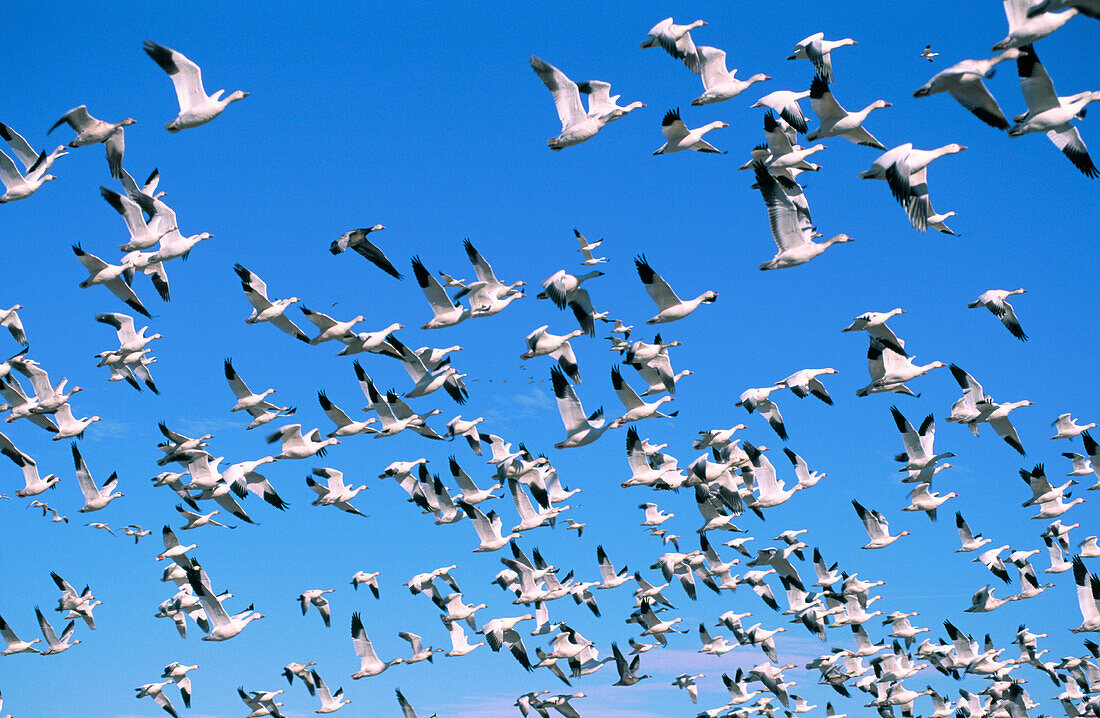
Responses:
[432,123]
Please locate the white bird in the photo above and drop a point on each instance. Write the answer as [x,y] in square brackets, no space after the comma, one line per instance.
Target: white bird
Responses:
[265,310]
[90,131]
[579,429]
[636,409]
[222,625]
[334,492]
[369,663]
[329,328]
[586,247]
[874,323]
[196,107]
[465,428]
[370,579]
[792,238]
[720,84]
[1068,428]
[296,446]
[9,319]
[257,406]
[330,702]
[669,306]
[996,301]
[963,81]
[141,237]
[927,53]
[877,527]
[771,492]
[15,645]
[541,343]
[95,498]
[18,185]
[156,692]
[488,528]
[445,313]
[316,597]
[111,276]
[805,382]
[785,102]
[678,137]
[1049,113]
[758,400]
[345,426]
[565,290]
[34,484]
[817,50]
[1025,28]
[676,40]
[905,171]
[923,499]
[835,121]
[576,124]
[919,453]
[26,154]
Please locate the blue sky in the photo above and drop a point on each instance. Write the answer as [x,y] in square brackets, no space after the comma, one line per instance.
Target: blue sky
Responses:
[430,121]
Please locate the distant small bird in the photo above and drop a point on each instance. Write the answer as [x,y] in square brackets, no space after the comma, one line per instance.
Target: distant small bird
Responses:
[996,301]
[927,53]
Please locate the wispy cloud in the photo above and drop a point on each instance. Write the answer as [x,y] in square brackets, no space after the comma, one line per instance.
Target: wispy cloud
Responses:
[518,406]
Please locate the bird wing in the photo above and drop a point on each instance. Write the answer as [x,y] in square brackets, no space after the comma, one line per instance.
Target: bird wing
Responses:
[359,242]
[78,118]
[437,296]
[9,175]
[657,288]
[972,94]
[672,127]
[1035,83]
[186,75]
[782,213]
[567,97]
[823,103]
[84,477]
[20,146]
[1069,141]
[713,68]
[569,406]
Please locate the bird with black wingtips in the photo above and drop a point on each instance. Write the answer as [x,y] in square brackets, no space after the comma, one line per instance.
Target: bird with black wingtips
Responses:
[196,107]
[356,239]
[90,131]
[678,137]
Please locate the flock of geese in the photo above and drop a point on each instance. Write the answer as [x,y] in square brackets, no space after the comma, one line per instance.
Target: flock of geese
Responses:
[732,481]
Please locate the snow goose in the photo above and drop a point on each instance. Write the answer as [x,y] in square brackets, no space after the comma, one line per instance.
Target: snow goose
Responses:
[334,492]
[877,527]
[265,310]
[243,478]
[1024,28]
[196,107]
[719,84]
[542,343]
[838,122]
[26,153]
[47,397]
[9,319]
[445,313]
[329,328]
[195,520]
[918,453]
[1088,588]
[330,702]
[564,290]
[297,446]
[676,40]
[636,409]
[130,341]
[791,237]
[805,382]
[1082,465]
[785,102]
[579,429]
[428,381]
[488,528]
[222,625]
[140,235]
[903,169]
[15,645]
[1068,428]
[247,400]
[34,484]
[178,673]
[678,137]
[301,670]
[344,424]
[262,703]
[576,124]
[316,597]
[90,131]
[370,579]
[771,492]
[466,428]
[610,577]
[156,692]
[669,306]
[874,323]
[923,499]
[471,494]
[817,50]
[996,301]
[899,369]
[95,498]
[758,400]
[500,632]
[18,185]
[586,248]
[491,286]
[356,239]
[164,225]
[1088,8]
[111,276]
[1046,112]
[602,104]
[55,644]
[963,81]
[460,645]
